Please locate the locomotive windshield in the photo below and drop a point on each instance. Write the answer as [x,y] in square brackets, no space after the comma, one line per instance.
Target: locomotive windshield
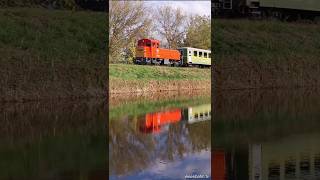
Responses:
[140,43]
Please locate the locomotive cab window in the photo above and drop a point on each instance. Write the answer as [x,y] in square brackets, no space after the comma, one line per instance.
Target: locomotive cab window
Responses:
[205,55]
[195,53]
[140,43]
[200,54]
[148,44]
[157,45]
[209,55]
[189,53]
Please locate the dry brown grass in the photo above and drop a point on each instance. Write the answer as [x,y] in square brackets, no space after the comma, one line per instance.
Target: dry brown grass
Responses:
[117,85]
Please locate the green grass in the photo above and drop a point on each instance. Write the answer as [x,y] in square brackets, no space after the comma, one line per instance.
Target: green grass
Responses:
[265,40]
[66,36]
[51,53]
[265,54]
[144,72]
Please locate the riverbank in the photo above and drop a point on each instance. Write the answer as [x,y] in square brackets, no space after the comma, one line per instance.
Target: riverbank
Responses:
[265,54]
[125,78]
[130,104]
[52,54]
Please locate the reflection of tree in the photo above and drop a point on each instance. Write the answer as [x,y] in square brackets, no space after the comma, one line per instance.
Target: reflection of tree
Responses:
[200,135]
[130,150]
[174,143]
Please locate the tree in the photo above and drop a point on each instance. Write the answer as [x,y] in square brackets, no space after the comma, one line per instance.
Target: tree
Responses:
[199,32]
[128,21]
[170,24]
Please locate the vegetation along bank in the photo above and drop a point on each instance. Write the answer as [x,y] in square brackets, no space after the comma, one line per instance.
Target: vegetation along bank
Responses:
[52,54]
[127,78]
[265,54]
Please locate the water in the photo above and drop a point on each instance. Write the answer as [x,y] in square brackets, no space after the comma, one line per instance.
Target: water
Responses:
[272,134]
[256,135]
[165,138]
[53,140]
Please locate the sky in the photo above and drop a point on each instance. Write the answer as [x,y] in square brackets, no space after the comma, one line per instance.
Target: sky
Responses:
[198,163]
[190,7]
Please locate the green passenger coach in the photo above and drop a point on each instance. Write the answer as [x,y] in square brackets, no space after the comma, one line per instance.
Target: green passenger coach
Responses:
[195,57]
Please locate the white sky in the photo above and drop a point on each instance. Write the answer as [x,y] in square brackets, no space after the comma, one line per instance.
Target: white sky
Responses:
[189,7]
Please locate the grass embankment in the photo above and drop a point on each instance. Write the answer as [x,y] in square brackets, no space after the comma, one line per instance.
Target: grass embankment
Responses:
[124,78]
[51,54]
[265,54]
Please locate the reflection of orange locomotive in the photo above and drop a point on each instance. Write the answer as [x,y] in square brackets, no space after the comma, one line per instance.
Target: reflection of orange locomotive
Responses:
[154,121]
[218,166]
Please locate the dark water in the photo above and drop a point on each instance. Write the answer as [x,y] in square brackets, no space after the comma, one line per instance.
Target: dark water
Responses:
[266,135]
[53,140]
[169,140]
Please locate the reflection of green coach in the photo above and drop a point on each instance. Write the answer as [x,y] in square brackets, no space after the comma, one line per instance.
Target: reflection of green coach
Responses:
[199,113]
[194,56]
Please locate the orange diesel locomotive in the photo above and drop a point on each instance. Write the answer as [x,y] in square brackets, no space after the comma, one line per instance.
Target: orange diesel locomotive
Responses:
[148,52]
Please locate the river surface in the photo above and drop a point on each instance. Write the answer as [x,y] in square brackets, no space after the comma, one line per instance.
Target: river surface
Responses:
[53,140]
[160,139]
[263,135]
[256,135]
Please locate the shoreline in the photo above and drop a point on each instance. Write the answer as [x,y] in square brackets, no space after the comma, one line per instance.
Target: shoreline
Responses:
[154,86]
[119,99]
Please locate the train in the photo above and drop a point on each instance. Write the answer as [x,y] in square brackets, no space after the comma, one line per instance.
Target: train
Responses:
[281,9]
[148,51]
[153,122]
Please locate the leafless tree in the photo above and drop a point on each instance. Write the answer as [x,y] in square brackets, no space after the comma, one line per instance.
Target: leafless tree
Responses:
[170,24]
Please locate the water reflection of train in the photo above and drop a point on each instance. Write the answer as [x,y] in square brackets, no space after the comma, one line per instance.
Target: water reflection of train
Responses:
[291,158]
[152,122]
[198,113]
[218,165]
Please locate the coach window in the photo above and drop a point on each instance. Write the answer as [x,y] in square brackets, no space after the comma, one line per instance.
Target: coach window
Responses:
[189,53]
[205,55]
[195,53]
[200,54]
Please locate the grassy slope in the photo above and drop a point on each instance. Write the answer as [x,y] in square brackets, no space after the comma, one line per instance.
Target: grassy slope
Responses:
[46,54]
[259,54]
[126,78]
